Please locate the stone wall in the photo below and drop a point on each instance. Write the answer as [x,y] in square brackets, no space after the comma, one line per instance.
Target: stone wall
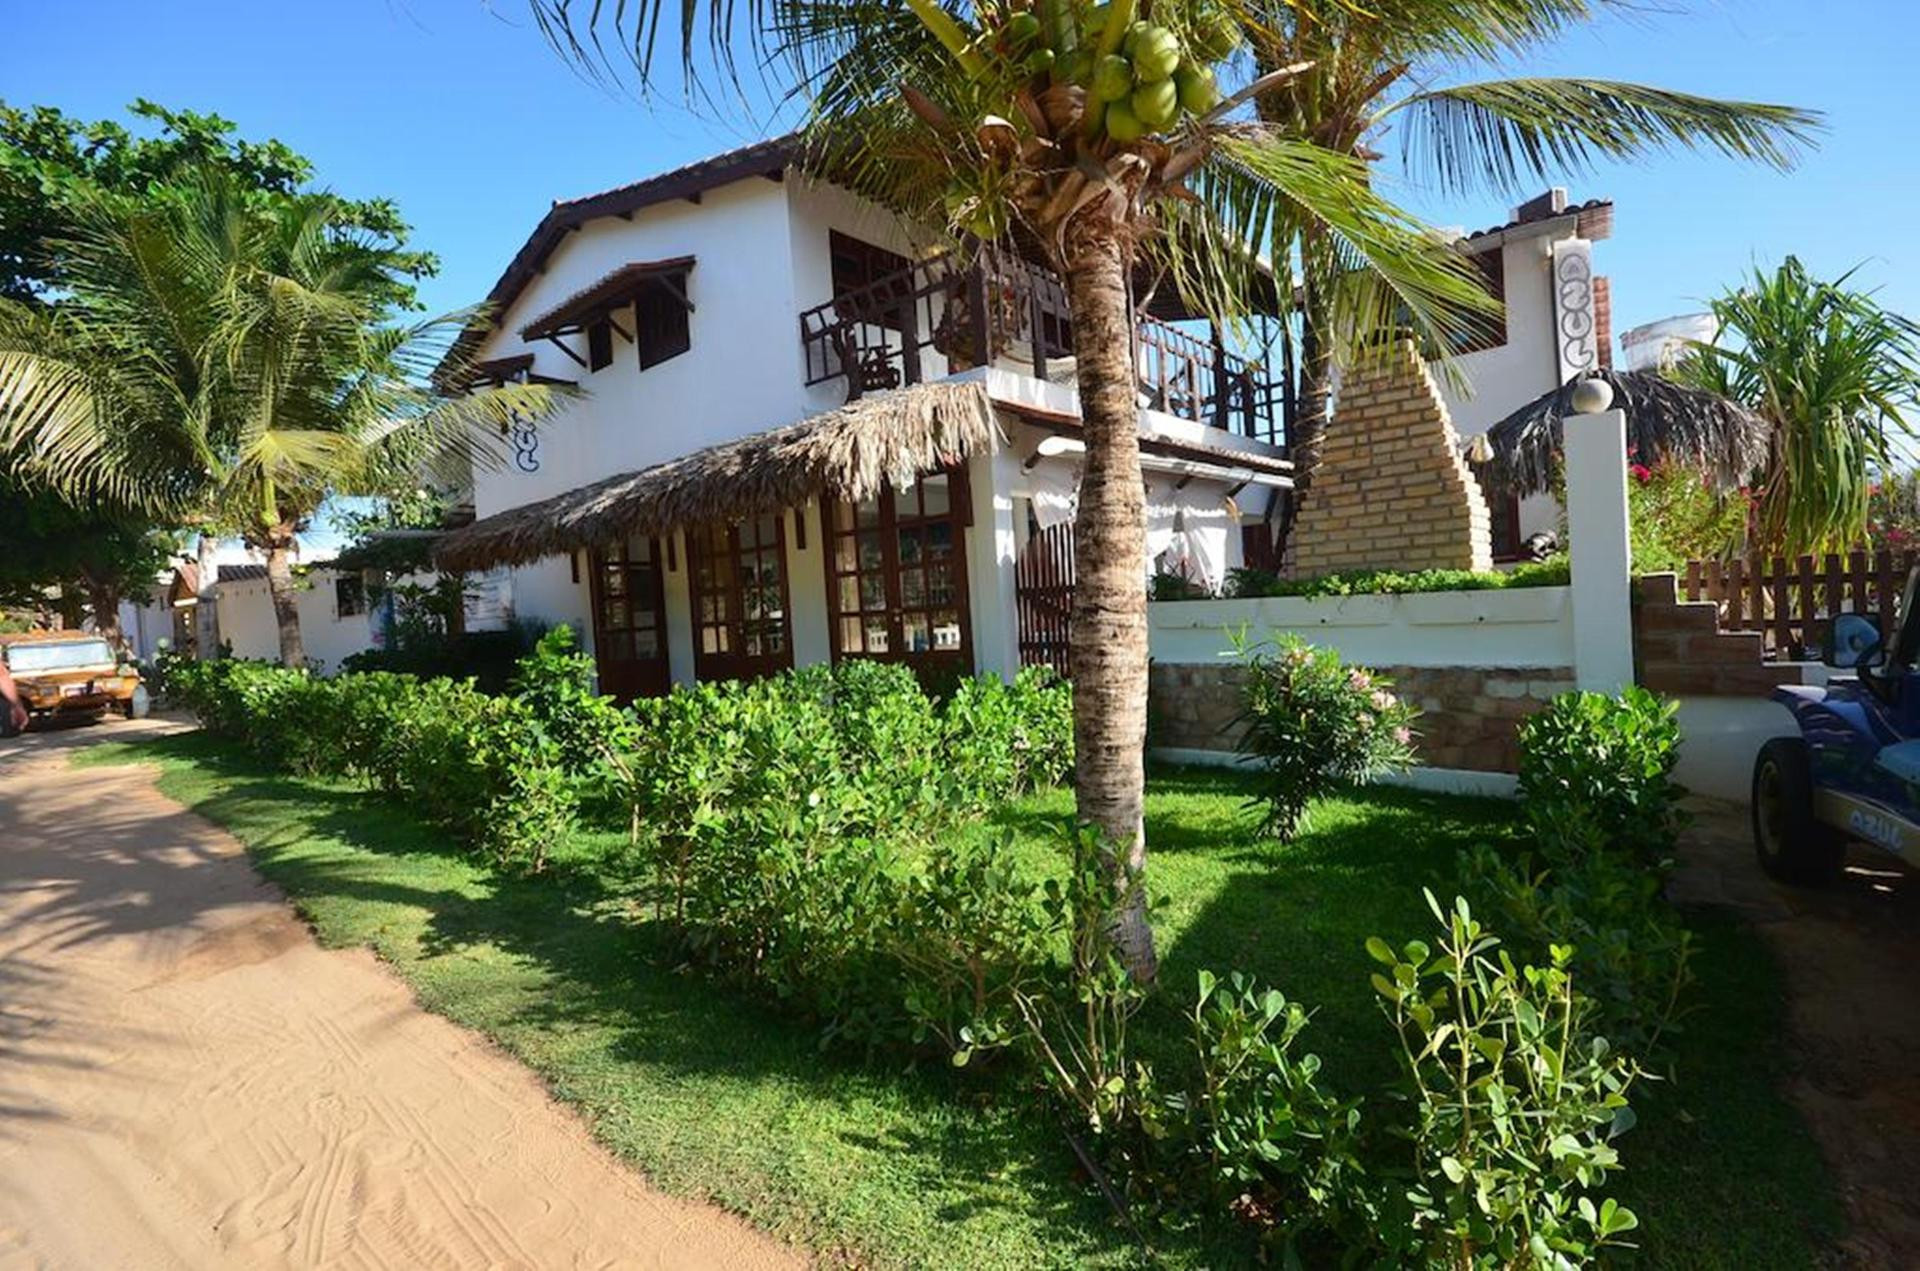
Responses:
[1469,715]
[1392,490]
[1678,647]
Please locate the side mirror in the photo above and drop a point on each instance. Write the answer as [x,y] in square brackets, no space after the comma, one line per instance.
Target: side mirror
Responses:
[1854,636]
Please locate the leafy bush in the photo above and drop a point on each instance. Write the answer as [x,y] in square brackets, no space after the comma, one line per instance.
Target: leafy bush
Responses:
[482,766]
[1511,1105]
[1314,724]
[1248,583]
[1675,515]
[488,658]
[1598,771]
[1595,777]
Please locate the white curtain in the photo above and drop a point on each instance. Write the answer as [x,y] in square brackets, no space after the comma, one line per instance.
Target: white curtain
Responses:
[1054,489]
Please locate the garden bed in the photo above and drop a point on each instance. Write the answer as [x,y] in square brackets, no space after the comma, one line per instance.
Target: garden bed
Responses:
[716,1093]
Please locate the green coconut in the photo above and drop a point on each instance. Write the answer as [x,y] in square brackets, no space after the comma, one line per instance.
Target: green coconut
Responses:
[1122,124]
[1157,104]
[1197,90]
[1112,78]
[1022,29]
[1040,61]
[1156,55]
[1215,36]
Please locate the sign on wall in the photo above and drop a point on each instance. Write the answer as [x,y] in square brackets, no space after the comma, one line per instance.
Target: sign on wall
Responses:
[1575,326]
[488,603]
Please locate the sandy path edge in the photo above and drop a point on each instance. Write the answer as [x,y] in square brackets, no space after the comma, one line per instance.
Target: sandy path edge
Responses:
[188,1079]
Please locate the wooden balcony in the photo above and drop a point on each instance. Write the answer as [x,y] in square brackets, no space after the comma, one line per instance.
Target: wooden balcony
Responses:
[946,314]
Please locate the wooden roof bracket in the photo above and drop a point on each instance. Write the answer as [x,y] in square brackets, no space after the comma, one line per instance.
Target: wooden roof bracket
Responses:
[554,340]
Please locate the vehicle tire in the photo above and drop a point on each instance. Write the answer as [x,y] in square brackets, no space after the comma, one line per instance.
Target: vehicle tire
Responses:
[139,705]
[1792,845]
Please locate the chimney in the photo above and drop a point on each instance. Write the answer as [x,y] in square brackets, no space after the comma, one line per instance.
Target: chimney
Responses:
[1542,206]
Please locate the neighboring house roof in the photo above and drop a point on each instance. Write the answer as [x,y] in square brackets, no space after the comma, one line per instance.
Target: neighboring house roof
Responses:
[847,453]
[242,573]
[1592,220]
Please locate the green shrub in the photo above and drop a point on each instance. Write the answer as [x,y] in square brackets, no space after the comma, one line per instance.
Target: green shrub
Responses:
[482,766]
[1597,771]
[1313,725]
[1511,1105]
[1248,583]
[1001,740]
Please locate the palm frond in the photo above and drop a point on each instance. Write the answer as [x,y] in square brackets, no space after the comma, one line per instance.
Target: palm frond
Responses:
[1504,134]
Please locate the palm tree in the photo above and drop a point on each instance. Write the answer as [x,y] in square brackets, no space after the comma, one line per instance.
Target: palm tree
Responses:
[225,356]
[1105,141]
[1373,73]
[1832,373]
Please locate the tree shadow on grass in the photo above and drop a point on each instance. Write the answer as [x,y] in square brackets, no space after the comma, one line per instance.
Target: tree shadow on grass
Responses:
[967,1146]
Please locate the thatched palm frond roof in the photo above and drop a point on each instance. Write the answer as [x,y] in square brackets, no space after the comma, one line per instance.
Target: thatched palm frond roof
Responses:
[1665,420]
[847,453]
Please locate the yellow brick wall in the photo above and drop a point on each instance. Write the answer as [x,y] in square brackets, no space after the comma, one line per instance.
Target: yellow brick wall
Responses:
[1392,490]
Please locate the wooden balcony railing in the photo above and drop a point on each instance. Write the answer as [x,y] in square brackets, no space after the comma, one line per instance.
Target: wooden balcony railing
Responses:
[945,315]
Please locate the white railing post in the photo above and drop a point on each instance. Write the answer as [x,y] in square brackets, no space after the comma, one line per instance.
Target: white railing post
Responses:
[1596,458]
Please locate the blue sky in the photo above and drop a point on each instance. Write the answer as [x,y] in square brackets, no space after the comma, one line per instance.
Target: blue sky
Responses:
[458,110]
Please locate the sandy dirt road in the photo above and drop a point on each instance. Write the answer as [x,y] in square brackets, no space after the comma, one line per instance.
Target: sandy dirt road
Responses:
[188,1080]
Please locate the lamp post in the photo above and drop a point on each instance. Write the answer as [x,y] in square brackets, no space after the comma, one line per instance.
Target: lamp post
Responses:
[1595,444]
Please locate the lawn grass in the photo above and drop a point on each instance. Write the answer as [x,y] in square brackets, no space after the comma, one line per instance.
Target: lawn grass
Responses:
[715,1093]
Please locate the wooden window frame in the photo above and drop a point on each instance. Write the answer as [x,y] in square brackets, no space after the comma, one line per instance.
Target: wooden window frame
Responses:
[734,663]
[637,676]
[663,320]
[1490,333]
[856,265]
[959,515]
[599,343]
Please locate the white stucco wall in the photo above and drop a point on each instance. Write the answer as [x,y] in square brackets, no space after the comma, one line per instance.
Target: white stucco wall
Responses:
[247,621]
[1493,383]
[1524,627]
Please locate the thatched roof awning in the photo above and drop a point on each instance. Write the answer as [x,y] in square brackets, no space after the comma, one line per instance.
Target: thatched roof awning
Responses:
[612,291]
[847,453]
[1665,421]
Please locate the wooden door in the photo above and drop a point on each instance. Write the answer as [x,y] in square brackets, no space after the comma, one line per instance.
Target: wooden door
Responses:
[629,619]
[741,624]
[897,578]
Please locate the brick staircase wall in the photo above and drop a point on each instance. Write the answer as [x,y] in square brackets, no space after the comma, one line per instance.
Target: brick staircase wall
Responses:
[1392,490]
[1678,647]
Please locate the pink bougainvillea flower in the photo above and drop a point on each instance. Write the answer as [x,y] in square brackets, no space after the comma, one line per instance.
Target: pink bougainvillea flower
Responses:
[1403,735]
[1359,680]
[1382,700]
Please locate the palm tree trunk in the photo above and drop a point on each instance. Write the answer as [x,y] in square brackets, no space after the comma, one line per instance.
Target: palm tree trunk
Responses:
[1109,625]
[206,609]
[286,609]
[104,598]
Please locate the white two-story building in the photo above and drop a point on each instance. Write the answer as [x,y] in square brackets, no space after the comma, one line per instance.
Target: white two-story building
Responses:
[806,436]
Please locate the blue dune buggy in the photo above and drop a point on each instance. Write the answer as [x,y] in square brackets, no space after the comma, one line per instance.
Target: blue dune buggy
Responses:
[1854,770]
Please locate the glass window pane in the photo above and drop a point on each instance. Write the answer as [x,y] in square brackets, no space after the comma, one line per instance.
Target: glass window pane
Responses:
[849,595]
[939,539]
[906,503]
[935,497]
[913,588]
[646,643]
[871,557]
[639,548]
[850,636]
[873,591]
[939,586]
[867,513]
[877,639]
[910,543]
[946,630]
[842,516]
[916,632]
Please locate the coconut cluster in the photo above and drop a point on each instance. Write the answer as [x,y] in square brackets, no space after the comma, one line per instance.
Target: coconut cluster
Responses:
[1145,85]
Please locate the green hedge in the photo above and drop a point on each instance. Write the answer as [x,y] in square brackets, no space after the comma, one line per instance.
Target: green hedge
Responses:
[1249,583]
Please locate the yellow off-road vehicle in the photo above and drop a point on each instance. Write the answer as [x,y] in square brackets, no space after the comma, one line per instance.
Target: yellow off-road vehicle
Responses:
[70,672]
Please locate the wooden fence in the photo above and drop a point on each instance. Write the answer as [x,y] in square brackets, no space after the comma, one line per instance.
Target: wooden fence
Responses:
[1792,602]
[1043,595]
